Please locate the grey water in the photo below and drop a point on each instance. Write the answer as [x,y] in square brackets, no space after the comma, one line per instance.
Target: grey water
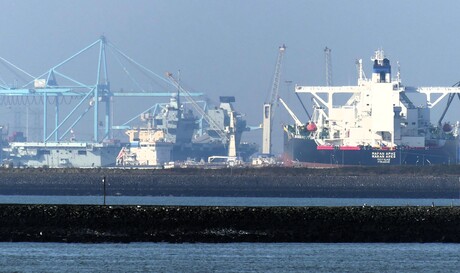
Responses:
[234,257]
[221,201]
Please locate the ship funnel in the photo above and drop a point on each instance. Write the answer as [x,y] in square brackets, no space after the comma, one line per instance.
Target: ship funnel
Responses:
[381,71]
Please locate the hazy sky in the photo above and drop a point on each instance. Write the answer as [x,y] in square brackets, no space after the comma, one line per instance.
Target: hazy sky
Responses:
[230,47]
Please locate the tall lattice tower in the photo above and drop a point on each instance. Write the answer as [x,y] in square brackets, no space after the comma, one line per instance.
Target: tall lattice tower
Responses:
[327,56]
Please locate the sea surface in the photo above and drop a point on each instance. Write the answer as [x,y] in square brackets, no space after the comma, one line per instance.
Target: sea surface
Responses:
[234,257]
[229,257]
[221,201]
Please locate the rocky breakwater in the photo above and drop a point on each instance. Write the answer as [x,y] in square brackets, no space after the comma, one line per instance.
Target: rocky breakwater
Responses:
[77,223]
[371,182]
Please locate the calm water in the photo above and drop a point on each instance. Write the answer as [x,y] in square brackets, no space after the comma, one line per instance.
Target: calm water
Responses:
[254,257]
[222,201]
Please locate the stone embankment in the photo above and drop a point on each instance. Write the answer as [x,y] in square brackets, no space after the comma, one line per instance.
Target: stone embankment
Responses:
[400,182]
[177,224]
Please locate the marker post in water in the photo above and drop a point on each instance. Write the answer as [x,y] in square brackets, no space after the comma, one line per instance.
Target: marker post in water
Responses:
[104,180]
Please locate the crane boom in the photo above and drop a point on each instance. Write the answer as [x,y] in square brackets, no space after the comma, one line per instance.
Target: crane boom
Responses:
[294,117]
[276,77]
[269,109]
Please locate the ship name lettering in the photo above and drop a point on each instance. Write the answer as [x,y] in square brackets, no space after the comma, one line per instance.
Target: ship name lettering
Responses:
[383,155]
[383,160]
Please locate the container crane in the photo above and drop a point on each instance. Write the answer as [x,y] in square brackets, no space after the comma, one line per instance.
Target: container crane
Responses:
[269,109]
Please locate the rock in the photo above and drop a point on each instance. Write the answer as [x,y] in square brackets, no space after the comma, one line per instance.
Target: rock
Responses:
[78,223]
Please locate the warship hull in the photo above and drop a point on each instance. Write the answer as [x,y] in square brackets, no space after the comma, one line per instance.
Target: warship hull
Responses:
[307,151]
[61,155]
[201,151]
[192,139]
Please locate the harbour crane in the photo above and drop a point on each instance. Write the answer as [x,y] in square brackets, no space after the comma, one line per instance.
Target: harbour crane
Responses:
[269,109]
[55,86]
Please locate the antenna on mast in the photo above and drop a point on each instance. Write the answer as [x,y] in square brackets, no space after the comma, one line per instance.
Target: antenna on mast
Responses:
[361,75]
[327,55]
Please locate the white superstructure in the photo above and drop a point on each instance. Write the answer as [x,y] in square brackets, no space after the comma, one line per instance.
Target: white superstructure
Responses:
[148,147]
[378,112]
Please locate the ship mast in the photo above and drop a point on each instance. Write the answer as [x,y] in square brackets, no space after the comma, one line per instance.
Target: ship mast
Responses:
[327,55]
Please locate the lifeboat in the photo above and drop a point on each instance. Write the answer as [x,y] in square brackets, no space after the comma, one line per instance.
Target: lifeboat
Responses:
[311,127]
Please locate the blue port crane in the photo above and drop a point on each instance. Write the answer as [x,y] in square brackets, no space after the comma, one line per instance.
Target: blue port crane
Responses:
[46,89]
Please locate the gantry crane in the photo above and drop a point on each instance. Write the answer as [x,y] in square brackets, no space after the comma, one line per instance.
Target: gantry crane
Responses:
[269,109]
[55,86]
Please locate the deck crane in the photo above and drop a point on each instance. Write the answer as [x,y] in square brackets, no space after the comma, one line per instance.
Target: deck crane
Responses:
[269,109]
[228,135]
[298,124]
[449,101]
[291,113]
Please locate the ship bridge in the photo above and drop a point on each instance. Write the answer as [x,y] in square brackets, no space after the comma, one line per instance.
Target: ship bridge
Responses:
[378,111]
